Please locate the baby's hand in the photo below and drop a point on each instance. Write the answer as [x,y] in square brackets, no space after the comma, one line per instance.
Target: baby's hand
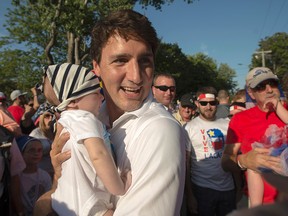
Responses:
[126,177]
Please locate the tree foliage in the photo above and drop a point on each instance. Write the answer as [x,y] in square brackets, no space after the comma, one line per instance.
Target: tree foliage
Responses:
[278,59]
[191,72]
[54,31]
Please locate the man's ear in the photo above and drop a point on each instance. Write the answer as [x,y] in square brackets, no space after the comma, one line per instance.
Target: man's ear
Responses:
[197,103]
[96,68]
[153,90]
[250,92]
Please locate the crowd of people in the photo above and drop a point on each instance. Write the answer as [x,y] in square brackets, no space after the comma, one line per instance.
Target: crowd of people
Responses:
[25,179]
[129,149]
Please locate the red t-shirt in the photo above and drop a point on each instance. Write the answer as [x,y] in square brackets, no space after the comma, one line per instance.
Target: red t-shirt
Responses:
[249,126]
[17,112]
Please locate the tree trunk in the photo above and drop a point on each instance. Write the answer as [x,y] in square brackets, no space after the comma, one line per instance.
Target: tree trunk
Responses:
[70,48]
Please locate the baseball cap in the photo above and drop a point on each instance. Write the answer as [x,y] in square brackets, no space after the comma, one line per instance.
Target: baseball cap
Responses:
[187,100]
[22,141]
[2,96]
[258,75]
[16,93]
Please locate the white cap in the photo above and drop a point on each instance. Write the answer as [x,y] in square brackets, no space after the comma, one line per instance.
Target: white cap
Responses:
[16,93]
[258,75]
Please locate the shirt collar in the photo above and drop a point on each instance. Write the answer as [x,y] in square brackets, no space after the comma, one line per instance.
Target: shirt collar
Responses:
[104,117]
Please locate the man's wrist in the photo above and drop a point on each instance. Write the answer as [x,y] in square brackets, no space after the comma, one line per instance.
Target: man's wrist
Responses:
[242,167]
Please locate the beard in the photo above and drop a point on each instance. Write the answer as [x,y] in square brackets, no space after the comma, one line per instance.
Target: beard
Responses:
[208,114]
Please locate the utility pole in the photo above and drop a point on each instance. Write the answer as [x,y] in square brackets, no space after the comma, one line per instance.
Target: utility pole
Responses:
[262,52]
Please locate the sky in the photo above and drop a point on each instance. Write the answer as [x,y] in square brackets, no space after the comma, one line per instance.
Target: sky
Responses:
[228,31]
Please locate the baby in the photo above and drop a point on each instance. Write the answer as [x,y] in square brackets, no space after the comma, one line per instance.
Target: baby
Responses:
[90,176]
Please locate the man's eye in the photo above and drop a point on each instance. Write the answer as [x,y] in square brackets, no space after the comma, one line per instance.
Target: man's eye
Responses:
[120,60]
[146,61]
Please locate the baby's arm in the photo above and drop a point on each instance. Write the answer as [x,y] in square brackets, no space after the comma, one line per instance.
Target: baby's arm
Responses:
[275,104]
[105,166]
[255,188]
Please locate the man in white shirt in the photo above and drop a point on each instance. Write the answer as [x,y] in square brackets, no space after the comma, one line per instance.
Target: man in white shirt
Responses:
[146,138]
[164,90]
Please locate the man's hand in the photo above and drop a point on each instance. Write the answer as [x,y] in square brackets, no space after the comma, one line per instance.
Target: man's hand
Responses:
[259,157]
[43,205]
[57,158]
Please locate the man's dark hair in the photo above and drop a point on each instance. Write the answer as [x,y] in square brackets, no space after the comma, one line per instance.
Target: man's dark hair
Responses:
[128,24]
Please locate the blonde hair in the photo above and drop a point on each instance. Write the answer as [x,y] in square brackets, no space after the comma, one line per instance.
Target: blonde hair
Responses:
[240,94]
[44,128]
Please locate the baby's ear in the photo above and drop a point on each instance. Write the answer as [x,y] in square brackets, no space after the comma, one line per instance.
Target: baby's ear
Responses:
[73,104]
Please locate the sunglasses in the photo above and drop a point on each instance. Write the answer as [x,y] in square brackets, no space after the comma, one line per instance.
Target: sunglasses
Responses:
[165,88]
[204,103]
[31,105]
[262,86]
[48,116]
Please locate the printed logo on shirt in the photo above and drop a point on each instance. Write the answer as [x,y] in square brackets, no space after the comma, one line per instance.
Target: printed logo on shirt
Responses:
[216,139]
[213,143]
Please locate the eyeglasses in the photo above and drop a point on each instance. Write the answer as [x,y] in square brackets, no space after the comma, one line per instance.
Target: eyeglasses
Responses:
[204,103]
[262,86]
[165,88]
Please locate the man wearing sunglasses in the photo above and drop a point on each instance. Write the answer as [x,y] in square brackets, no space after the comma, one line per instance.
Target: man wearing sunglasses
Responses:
[212,187]
[164,90]
[187,109]
[250,125]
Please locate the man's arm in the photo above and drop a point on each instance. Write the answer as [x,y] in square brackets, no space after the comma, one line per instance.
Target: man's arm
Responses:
[43,206]
[229,158]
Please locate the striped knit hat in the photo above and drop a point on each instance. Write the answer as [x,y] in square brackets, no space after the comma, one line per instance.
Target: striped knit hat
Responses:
[70,81]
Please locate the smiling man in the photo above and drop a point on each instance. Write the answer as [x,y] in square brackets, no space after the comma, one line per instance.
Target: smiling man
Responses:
[164,90]
[146,138]
[187,109]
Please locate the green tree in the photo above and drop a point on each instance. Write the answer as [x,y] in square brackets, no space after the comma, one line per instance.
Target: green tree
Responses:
[225,76]
[170,59]
[55,31]
[205,70]
[16,71]
[278,59]
[191,72]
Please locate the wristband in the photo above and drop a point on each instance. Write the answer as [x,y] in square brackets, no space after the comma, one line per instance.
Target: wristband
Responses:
[238,162]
